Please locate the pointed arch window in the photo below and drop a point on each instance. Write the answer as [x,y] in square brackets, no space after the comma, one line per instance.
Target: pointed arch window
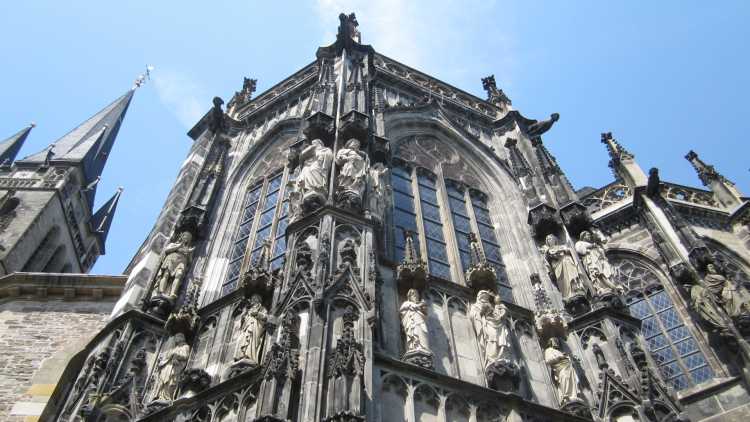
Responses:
[264,216]
[431,206]
[670,342]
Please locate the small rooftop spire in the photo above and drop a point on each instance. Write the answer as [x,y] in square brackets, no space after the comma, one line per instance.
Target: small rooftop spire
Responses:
[494,95]
[706,172]
[102,218]
[616,152]
[10,147]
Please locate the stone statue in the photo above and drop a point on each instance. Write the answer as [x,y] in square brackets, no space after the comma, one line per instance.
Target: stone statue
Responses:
[597,266]
[172,269]
[490,325]
[253,330]
[312,180]
[378,192]
[563,372]
[716,294]
[352,176]
[414,321]
[560,259]
[171,365]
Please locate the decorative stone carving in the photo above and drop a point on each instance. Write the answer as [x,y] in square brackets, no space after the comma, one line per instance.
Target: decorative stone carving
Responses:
[169,369]
[414,322]
[193,381]
[241,98]
[253,331]
[543,220]
[258,280]
[412,271]
[491,327]
[564,269]
[352,176]
[538,128]
[715,296]
[377,193]
[564,374]
[311,184]
[346,374]
[549,322]
[216,122]
[494,95]
[281,369]
[480,274]
[172,269]
[591,250]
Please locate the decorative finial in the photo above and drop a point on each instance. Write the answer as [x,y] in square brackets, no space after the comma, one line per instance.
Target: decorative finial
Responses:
[494,95]
[706,172]
[143,77]
[32,124]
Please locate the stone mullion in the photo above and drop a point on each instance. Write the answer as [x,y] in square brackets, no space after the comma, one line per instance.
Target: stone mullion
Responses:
[410,411]
[418,217]
[454,350]
[246,260]
[449,231]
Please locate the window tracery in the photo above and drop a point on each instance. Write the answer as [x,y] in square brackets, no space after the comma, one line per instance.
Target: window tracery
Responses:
[418,192]
[264,216]
[670,342]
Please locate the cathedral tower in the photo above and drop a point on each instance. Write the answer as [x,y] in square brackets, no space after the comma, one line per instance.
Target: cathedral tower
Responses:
[364,242]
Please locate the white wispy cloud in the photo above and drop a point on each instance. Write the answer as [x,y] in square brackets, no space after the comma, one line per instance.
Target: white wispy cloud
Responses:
[452,38]
[180,94]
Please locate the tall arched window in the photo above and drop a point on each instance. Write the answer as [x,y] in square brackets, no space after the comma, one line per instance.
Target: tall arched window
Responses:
[263,216]
[421,206]
[672,345]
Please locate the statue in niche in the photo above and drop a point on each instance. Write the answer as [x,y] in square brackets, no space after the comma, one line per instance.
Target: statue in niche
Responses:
[564,374]
[560,259]
[172,269]
[171,365]
[591,251]
[377,193]
[253,330]
[312,181]
[352,176]
[414,321]
[348,252]
[490,326]
[714,295]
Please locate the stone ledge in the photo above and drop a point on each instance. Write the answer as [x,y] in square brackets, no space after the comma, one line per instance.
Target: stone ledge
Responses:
[66,286]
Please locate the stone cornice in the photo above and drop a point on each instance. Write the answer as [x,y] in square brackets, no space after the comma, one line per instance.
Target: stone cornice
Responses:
[68,286]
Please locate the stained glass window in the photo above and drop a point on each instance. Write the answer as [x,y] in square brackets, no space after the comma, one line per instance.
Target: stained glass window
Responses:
[669,341]
[468,213]
[261,209]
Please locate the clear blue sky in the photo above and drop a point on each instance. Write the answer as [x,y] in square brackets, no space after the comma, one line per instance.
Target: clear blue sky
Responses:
[665,77]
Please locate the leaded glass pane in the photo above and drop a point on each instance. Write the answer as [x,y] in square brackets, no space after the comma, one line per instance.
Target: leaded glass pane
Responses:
[274,184]
[649,327]
[403,201]
[702,374]
[440,270]
[663,356]
[660,301]
[253,195]
[679,383]
[428,195]
[430,211]
[249,212]
[640,309]
[670,319]
[679,333]
[657,342]
[693,361]
[686,346]
[401,184]
[405,220]
[433,230]
[271,200]
[483,216]
[462,223]
[437,250]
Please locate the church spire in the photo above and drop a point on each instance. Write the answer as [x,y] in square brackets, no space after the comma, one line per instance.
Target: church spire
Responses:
[9,148]
[724,190]
[89,144]
[102,218]
[623,163]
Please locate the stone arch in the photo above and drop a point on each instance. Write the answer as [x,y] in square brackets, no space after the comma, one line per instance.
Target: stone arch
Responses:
[393,396]
[265,156]
[457,409]
[426,403]
[623,412]
[637,267]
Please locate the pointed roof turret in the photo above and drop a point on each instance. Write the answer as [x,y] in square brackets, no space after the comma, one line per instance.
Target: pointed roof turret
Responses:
[102,218]
[622,162]
[9,148]
[724,189]
[90,143]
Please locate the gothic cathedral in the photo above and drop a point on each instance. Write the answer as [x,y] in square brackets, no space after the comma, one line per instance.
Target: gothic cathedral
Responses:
[363,242]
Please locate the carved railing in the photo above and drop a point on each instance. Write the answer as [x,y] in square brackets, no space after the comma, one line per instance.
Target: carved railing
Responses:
[13,182]
[607,196]
[686,194]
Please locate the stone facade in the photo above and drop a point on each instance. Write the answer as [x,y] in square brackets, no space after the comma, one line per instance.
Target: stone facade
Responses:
[364,242]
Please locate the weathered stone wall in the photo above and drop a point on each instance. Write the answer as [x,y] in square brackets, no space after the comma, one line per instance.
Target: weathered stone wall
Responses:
[37,339]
